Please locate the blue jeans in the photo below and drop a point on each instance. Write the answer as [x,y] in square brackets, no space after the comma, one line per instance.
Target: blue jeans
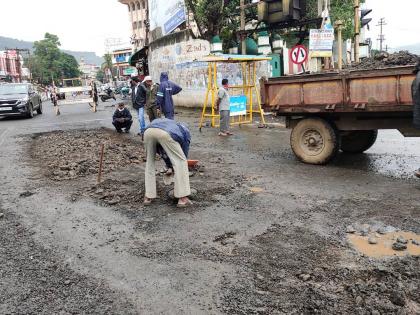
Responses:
[142,122]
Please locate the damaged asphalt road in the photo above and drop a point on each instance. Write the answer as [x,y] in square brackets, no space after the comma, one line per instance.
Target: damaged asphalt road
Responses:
[267,234]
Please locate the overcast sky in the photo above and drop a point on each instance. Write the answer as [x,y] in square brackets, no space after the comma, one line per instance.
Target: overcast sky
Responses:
[81,25]
[402,18]
[84,25]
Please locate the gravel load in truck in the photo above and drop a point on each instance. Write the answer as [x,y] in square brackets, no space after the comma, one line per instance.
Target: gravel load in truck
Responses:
[386,60]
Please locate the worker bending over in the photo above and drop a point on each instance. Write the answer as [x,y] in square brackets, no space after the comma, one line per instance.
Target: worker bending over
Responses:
[172,141]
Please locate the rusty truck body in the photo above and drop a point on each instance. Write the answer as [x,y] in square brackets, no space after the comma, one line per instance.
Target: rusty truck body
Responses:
[343,111]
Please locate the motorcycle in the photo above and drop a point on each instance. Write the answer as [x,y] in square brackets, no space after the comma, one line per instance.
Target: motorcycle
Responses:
[107,95]
[125,92]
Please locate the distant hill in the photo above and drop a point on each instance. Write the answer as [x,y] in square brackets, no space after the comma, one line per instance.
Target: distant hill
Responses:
[88,56]
[415,48]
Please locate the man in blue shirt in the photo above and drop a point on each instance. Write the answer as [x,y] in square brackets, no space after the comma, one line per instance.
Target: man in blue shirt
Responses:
[172,141]
[164,99]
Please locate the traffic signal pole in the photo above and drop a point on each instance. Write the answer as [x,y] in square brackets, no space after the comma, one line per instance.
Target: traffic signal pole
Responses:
[356,30]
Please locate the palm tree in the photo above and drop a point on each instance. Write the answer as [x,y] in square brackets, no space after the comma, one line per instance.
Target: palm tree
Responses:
[107,66]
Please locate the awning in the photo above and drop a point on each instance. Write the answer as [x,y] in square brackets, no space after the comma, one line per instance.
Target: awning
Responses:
[139,54]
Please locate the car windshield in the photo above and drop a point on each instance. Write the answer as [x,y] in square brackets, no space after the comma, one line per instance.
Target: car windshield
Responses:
[7,89]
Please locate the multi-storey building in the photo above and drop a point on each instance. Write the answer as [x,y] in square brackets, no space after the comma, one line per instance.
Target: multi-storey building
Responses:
[138,15]
[10,65]
[89,71]
[120,61]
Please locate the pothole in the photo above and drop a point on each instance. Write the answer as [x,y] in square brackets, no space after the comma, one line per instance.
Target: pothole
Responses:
[375,245]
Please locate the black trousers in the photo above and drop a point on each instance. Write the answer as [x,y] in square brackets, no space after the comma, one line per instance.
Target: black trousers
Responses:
[120,125]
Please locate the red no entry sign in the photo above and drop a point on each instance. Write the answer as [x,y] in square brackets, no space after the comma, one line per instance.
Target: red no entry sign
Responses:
[299,54]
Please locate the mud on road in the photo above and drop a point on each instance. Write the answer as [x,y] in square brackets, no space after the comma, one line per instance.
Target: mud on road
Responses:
[267,235]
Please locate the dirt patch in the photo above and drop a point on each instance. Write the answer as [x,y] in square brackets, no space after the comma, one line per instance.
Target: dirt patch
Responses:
[35,281]
[72,157]
[68,155]
[289,270]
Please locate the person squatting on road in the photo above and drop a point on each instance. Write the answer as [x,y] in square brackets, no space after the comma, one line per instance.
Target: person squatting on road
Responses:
[223,106]
[151,106]
[415,90]
[172,141]
[165,102]
[122,118]
[138,98]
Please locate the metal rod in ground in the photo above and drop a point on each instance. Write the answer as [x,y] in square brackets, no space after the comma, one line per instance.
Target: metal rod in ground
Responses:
[101,162]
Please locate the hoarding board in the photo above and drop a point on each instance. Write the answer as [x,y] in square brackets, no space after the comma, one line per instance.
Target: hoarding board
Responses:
[165,16]
[237,105]
[321,43]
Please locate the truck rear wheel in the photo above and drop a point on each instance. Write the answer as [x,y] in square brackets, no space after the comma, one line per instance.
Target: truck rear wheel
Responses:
[314,141]
[358,141]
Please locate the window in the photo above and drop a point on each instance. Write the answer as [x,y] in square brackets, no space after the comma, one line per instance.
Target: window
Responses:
[134,25]
[138,5]
[140,25]
[144,4]
[133,7]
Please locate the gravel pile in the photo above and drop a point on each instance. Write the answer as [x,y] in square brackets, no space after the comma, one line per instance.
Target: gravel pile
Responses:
[386,60]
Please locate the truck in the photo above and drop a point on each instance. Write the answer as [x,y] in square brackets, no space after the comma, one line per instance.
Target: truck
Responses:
[344,110]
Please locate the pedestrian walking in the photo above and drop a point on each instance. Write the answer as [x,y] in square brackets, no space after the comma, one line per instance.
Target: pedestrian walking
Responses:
[172,141]
[138,98]
[122,118]
[223,106]
[415,90]
[167,89]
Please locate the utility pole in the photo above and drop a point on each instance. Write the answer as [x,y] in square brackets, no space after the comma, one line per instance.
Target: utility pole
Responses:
[243,43]
[356,30]
[339,26]
[381,37]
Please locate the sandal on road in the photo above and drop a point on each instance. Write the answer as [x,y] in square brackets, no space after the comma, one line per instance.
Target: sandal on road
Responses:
[147,201]
[222,134]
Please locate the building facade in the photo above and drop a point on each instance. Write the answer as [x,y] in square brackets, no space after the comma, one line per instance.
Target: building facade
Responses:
[10,66]
[120,62]
[89,71]
[138,16]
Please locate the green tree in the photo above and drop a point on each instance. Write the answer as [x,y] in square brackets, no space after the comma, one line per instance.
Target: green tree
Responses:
[221,17]
[339,10]
[68,66]
[100,75]
[49,63]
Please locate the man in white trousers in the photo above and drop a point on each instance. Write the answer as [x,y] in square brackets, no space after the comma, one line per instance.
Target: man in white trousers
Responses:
[172,141]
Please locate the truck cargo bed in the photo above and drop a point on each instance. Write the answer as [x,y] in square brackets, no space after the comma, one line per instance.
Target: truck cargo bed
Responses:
[361,91]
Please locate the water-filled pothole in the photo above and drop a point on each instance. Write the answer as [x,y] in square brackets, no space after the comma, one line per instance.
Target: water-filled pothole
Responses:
[385,243]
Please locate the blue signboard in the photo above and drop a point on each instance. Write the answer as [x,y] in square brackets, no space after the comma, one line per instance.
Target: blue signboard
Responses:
[238,105]
[175,20]
[121,59]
